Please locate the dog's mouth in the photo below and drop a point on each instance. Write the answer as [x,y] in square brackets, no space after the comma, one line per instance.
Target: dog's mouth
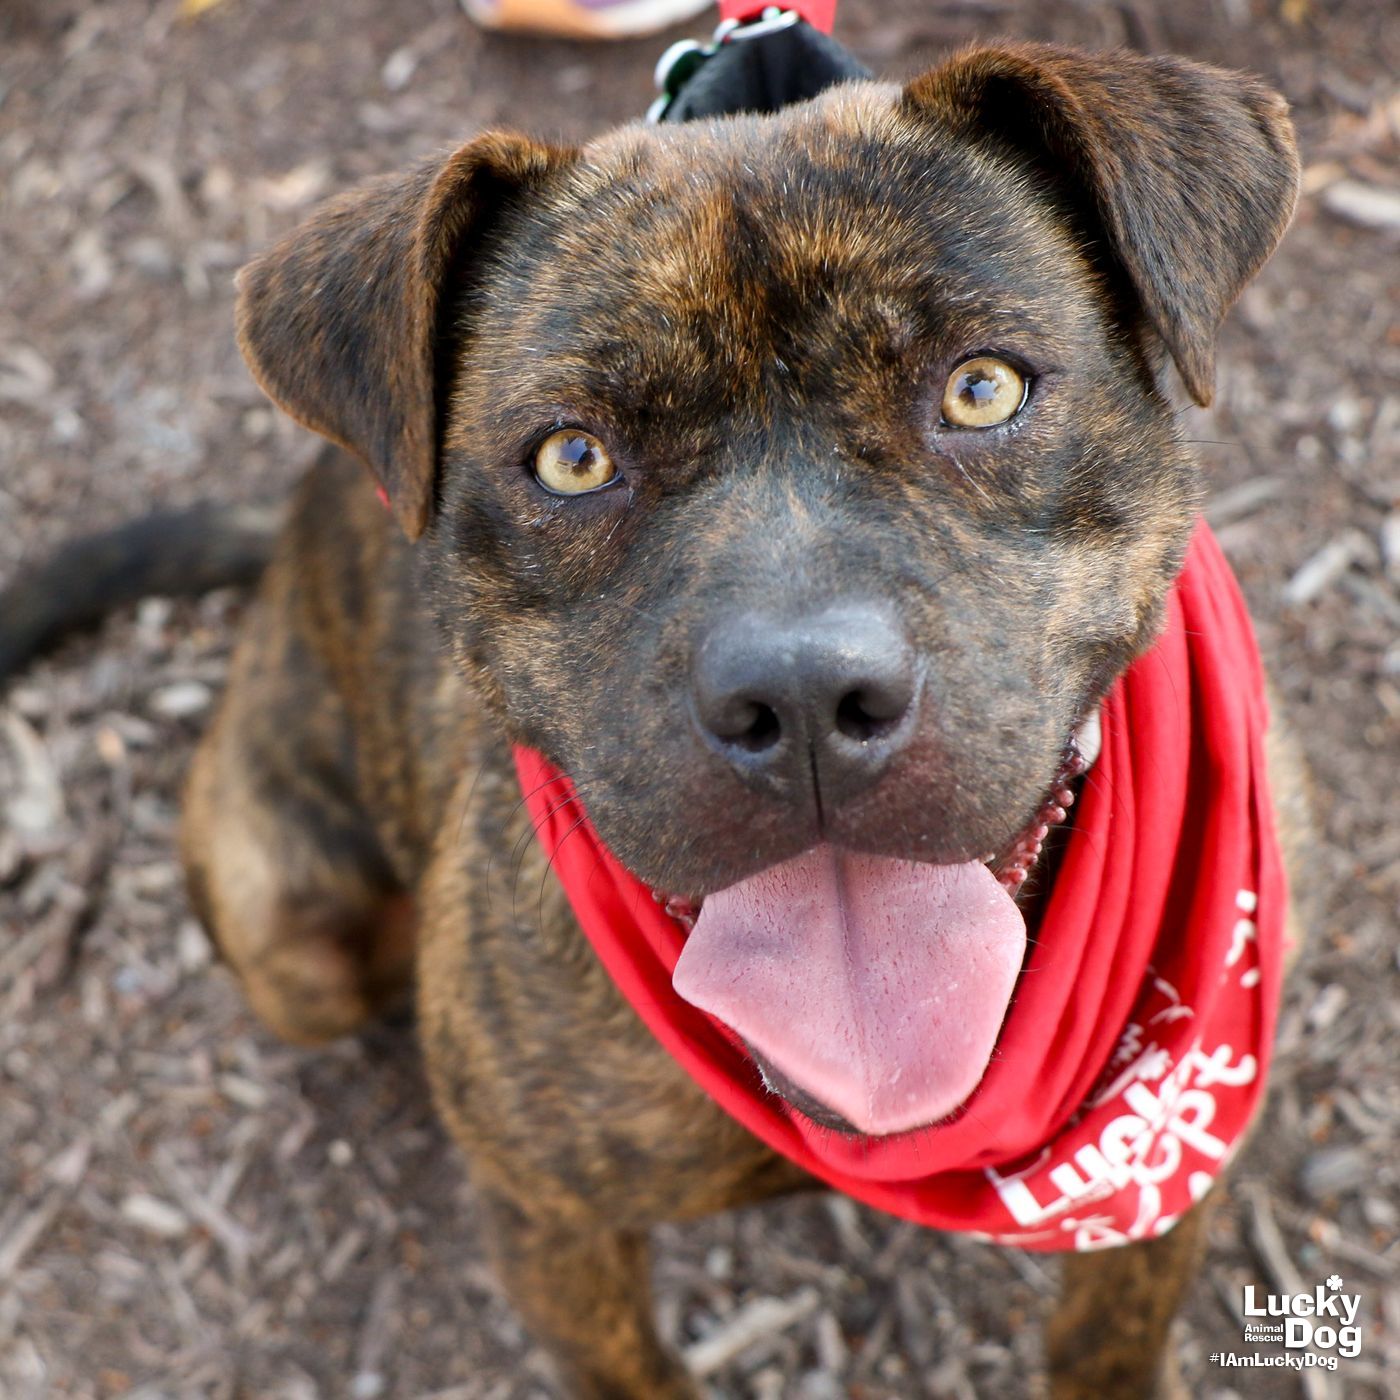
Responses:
[870,990]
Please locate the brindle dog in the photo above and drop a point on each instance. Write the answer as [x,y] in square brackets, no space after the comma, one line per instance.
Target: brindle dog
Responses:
[696,383]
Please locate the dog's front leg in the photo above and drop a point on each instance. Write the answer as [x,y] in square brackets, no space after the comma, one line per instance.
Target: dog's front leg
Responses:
[1108,1336]
[584,1291]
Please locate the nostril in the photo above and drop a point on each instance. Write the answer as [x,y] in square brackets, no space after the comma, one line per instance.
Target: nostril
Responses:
[762,731]
[742,723]
[865,714]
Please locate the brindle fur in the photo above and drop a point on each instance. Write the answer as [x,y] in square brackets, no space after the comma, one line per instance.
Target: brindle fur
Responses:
[758,315]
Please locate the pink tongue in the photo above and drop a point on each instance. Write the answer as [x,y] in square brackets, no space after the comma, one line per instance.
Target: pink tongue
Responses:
[878,986]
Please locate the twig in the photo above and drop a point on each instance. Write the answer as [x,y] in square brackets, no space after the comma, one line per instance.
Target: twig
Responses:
[756,1320]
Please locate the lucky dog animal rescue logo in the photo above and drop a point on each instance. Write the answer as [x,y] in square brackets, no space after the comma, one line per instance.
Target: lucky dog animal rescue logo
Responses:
[1315,1329]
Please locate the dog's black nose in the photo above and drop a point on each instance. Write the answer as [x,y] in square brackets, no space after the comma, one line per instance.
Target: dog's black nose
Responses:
[827,698]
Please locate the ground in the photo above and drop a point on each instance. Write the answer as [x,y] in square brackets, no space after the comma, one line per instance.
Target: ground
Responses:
[188,1208]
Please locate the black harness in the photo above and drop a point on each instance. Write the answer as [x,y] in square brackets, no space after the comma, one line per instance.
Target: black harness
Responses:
[756,66]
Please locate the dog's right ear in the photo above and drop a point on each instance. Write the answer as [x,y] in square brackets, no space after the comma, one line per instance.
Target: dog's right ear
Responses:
[342,322]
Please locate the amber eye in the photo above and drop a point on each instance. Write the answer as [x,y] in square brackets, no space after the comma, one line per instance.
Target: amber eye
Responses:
[982,392]
[571,462]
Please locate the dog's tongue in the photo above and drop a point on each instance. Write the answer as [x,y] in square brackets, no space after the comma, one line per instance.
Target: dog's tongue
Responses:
[878,986]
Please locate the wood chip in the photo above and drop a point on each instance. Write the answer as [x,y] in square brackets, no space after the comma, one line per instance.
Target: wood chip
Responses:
[1319,572]
[1267,1240]
[34,803]
[1390,545]
[1367,206]
[1319,176]
[200,1206]
[156,1216]
[376,1332]
[1243,500]
[399,68]
[28,1232]
[1282,1273]
[1334,1171]
[756,1320]
[182,699]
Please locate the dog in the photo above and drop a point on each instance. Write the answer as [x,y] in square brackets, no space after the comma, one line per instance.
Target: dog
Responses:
[792,482]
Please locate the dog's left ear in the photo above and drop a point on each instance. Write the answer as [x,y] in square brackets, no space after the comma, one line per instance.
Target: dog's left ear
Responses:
[1191,172]
[343,322]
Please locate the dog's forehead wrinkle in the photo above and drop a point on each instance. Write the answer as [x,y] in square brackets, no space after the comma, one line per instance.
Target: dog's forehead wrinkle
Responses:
[741,254]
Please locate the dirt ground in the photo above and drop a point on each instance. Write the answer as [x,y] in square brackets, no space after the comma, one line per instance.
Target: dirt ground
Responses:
[188,1208]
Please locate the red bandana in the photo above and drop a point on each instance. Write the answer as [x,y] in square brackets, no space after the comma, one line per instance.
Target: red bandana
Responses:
[1135,1048]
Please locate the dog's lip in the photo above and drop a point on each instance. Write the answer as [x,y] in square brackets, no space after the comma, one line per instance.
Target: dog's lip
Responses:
[1012,864]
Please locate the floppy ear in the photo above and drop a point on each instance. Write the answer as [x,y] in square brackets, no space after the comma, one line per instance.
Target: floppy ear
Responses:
[342,323]
[1191,172]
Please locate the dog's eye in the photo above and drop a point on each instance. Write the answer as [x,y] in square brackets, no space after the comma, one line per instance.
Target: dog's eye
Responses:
[571,462]
[982,392]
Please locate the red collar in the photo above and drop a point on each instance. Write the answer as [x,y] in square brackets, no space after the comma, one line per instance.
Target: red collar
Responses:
[1135,1048]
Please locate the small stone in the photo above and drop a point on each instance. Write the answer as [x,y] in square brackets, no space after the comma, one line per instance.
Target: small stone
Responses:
[340,1152]
[1380,1213]
[719,1262]
[153,616]
[156,1216]
[111,747]
[398,68]
[181,700]
[1345,415]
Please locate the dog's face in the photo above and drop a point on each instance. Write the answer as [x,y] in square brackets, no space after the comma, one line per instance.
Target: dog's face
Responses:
[716,466]
[798,481]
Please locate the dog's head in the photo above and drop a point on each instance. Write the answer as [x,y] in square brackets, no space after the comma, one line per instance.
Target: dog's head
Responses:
[798,484]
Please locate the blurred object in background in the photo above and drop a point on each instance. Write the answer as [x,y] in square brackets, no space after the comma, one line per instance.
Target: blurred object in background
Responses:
[584,19]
